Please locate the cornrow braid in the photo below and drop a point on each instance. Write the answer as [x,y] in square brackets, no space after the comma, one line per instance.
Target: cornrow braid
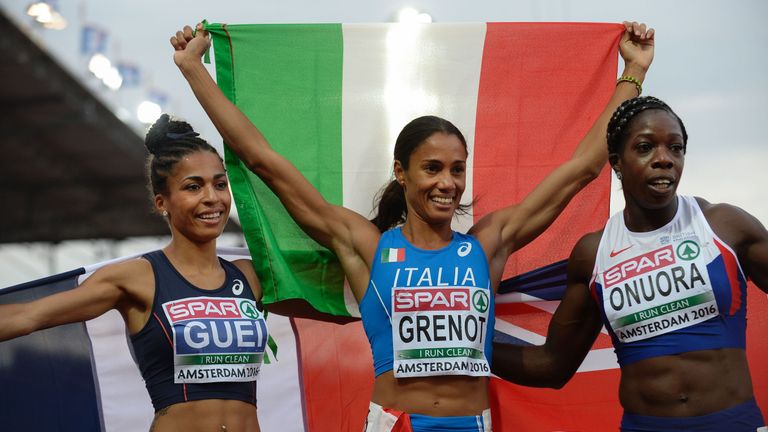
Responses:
[168,141]
[618,126]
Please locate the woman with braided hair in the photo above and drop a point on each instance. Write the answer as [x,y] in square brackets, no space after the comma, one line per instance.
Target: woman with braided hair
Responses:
[185,309]
[667,277]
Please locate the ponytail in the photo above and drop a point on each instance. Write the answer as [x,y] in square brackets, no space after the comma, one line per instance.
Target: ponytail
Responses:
[390,206]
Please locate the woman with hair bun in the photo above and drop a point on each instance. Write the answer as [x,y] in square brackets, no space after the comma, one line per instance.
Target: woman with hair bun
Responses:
[668,278]
[182,305]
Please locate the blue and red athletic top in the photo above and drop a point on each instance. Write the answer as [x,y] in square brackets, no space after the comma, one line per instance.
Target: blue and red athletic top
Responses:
[677,289]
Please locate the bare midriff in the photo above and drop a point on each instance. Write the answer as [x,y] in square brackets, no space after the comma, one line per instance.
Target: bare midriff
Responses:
[685,385]
[210,415]
[443,396]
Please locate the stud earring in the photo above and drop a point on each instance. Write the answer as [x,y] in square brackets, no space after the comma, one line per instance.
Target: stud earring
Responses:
[618,175]
[165,213]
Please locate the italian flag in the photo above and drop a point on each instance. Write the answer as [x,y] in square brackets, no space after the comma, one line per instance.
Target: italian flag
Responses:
[333,97]
[389,255]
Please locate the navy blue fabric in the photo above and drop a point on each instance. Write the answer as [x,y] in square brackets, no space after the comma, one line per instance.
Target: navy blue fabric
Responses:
[47,378]
[745,417]
[153,350]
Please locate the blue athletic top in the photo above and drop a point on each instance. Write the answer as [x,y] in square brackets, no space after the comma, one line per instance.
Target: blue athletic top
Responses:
[429,312]
[200,344]
[676,289]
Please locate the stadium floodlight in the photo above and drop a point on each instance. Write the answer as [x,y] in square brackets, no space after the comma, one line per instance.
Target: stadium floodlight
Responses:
[148,112]
[46,15]
[99,65]
[112,78]
[410,15]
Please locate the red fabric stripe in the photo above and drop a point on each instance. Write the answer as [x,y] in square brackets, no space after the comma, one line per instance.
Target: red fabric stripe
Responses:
[732,269]
[403,423]
[541,88]
[589,402]
[159,321]
[336,371]
[757,344]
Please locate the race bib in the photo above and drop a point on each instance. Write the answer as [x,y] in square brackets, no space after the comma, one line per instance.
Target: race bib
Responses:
[439,331]
[216,339]
[658,292]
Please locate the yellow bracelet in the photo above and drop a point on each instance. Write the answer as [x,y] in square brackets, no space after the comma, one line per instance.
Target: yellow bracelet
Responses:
[632,80]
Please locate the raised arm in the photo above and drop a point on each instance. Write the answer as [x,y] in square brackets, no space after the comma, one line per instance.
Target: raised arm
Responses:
[330,225]
[572,330]
[106,289]
[504,231]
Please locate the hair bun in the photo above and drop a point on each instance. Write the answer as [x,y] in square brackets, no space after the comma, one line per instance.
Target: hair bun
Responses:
[165,131]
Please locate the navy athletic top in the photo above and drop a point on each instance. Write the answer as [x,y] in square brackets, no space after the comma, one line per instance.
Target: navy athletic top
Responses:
[200,344]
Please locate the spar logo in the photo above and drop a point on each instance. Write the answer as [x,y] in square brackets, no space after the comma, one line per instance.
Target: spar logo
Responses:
[480,301]
[688,250]
[216,326]
[249,309]
[202,308]
[438,299]
[641,264]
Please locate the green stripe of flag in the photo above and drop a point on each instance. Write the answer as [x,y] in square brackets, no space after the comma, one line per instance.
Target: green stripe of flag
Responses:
[293,93]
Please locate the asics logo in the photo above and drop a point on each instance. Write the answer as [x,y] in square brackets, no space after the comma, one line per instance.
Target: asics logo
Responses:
[464,249]
[237,287]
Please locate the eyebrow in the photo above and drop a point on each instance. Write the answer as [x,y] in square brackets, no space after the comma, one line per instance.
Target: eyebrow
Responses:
[647,134]
[199,178]
[440,161]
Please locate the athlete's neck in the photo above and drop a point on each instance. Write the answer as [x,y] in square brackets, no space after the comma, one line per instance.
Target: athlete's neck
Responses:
[640,219]
[200,257]
[426,236]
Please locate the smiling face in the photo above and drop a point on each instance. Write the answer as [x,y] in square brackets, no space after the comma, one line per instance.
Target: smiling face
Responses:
[435,178]
[197,198]
[651,160]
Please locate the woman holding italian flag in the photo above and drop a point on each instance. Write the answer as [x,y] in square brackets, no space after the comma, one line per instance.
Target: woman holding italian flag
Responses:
[425,291]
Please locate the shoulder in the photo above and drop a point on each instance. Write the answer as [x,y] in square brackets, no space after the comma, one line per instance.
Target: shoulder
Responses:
[720,212]
[245,266]
[131,279]
[135,269]
[731,223]
[588,244]
[582,259]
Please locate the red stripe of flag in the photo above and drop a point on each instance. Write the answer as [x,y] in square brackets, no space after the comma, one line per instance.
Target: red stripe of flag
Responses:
[541,88]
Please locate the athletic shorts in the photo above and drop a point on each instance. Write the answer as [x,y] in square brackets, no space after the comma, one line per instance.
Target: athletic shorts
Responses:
[745,417]
[388,420]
